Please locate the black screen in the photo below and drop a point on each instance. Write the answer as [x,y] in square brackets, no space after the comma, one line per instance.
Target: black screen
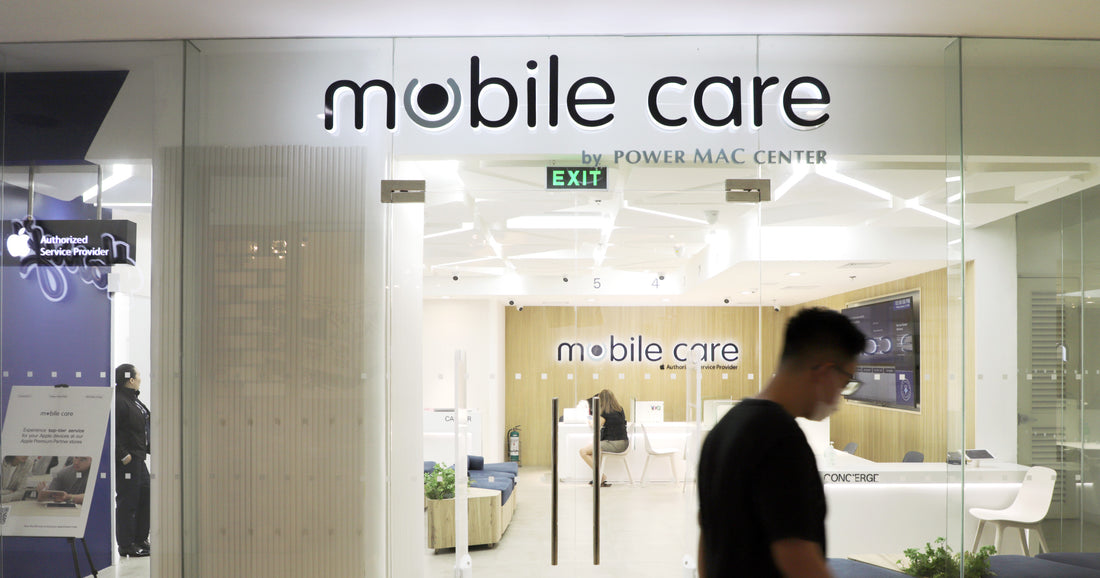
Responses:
[889,364]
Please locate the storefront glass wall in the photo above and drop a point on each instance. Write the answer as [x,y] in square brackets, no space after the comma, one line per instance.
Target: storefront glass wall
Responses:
[92,135]
[276,304]
[1033,349]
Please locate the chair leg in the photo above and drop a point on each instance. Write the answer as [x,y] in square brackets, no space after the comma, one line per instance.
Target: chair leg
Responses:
[978,535]
[672,466]
[626,465]
[1023,540]
[645,468]
[1042,543]
[998,537]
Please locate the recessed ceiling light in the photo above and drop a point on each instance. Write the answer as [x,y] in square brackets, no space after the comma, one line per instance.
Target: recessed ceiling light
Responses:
[794,274]
[119,174]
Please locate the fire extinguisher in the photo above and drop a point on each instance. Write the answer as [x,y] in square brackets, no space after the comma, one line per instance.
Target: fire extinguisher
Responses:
[513,444]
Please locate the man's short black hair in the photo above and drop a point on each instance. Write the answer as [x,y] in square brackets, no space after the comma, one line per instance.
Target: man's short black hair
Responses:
[123,373]
[820,332]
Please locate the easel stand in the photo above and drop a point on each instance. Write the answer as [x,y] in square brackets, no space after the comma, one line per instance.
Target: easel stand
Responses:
[76,561]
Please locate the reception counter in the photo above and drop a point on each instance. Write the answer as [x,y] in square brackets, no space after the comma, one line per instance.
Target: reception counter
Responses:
[889,507]
[873,507]
[662,435]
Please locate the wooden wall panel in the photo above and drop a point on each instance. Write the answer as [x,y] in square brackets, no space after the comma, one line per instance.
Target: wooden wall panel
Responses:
[533,336]
[884,435]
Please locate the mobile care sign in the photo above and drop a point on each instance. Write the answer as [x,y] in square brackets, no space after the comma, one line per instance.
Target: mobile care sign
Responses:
[58,433]
[643,101]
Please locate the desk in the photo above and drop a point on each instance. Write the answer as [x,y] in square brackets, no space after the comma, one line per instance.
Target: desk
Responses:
[1084,446]
[34,509]
[664,435]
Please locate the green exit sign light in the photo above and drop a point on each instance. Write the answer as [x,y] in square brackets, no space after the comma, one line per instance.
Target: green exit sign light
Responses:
[576,178]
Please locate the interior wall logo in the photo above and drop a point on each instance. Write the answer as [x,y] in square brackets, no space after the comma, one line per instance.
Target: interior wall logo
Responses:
[637,349]
[589,101]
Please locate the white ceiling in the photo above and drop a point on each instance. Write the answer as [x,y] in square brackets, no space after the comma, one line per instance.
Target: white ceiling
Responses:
[61,20]
[828,232]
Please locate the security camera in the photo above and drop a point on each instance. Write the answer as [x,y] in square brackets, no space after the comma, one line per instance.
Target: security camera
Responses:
[455,278]
[726,300]
[661,276]
[511,302]
[775,307]
[520,308]
[565,279]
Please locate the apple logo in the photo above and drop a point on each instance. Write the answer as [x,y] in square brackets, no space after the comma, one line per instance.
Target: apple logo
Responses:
[19,244]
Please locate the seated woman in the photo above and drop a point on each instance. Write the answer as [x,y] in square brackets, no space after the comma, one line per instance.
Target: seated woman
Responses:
[612,430]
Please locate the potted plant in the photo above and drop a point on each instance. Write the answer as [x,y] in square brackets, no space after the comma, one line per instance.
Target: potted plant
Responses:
[941,562]
[439,501]
[439,484]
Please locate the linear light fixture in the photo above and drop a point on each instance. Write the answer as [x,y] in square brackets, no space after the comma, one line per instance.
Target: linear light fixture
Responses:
[916,206]
[830,173]
[124,205]
[664,214]
[119,174]
[464,227]
[556,222]
[800,172]
[453,263]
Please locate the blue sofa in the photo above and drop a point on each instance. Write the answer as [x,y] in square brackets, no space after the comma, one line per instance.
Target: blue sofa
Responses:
[1046,565]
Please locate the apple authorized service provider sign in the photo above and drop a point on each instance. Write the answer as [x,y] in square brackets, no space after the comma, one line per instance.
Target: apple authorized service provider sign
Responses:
[53,251]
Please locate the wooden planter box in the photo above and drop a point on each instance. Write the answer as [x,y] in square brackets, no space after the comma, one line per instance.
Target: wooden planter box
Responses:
[487,519]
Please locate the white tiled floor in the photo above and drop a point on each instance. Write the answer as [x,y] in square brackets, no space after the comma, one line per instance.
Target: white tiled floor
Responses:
[644,532]
[132,568]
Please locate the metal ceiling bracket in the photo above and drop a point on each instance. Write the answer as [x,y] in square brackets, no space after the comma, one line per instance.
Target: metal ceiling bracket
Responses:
[403,191]
[748,190]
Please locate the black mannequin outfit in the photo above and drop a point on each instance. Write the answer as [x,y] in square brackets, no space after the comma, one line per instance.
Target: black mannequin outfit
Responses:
[132,479]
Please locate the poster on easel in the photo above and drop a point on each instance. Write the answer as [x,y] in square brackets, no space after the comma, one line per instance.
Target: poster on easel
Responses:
[52,440]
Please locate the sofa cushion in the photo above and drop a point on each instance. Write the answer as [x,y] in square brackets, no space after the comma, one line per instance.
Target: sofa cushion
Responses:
[844,568]
[429,466]
[510,467]
[500,481]
[1083,559]
[1026,567]
[475,462]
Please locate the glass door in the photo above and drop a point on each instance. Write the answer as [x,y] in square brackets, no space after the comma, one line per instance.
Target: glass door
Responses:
[645,295]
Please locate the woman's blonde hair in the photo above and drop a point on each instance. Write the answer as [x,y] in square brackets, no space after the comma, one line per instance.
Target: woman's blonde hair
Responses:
[608,403]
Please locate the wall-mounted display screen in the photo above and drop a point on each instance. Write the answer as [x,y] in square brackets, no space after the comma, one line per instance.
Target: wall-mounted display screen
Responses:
[889,366]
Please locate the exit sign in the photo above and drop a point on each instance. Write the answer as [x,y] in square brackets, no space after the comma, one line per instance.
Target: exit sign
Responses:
[576,178]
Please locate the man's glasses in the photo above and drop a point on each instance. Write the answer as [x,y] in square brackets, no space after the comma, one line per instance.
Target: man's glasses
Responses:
[853,384]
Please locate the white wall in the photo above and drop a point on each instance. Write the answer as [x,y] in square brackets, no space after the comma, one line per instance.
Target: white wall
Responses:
[993,250]
[477,327]
[131,316]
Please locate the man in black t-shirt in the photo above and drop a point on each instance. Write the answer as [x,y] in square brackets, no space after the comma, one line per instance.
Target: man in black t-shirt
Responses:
[761,500]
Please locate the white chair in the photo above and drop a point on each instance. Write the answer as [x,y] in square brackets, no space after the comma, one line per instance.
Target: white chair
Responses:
[1025,513]
[650,453]
[619,456]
